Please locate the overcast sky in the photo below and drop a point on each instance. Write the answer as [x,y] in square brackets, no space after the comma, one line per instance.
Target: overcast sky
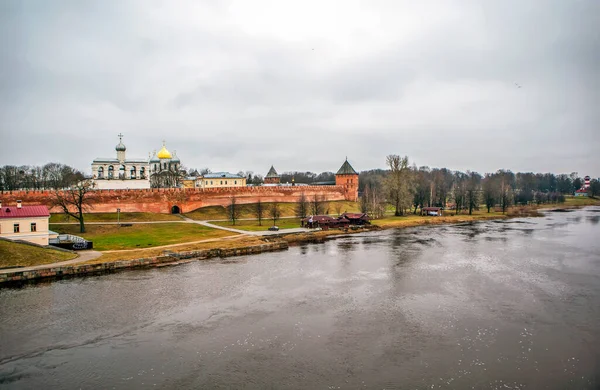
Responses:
[240,85]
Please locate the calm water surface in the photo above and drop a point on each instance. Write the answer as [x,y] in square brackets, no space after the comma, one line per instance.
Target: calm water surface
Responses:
[493,305]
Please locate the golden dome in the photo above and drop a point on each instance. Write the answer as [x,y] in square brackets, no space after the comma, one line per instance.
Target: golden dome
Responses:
[163,153]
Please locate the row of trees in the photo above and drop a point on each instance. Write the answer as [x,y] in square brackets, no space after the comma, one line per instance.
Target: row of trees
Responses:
[314,205]
[407,188]
[34,177]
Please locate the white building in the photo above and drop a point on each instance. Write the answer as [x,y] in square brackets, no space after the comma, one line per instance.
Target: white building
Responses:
[123,173]
[27,223]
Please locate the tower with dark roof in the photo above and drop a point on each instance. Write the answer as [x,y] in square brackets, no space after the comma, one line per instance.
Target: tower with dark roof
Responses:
[347,177]
[272,177]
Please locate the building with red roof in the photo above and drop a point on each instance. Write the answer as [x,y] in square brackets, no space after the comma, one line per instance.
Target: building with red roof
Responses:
[27,223]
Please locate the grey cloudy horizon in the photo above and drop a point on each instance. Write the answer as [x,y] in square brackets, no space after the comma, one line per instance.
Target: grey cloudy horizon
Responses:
[243,85]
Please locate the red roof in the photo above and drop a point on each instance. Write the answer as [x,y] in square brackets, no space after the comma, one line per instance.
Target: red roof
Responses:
[355,215]
[24,212]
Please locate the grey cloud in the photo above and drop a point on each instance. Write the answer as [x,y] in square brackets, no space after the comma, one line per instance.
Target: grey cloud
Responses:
[229,99]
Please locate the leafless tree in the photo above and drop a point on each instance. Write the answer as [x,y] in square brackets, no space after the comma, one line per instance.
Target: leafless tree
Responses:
[169,178]
[302,206]
[75,200]
[233,210]
[399,183]
[259,211]
[338,206]
[318,204]
[274,212]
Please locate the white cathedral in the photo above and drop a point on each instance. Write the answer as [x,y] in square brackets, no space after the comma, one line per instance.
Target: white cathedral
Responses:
[123,173]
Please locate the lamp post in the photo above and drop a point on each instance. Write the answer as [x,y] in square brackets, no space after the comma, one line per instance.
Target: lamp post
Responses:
[118,216]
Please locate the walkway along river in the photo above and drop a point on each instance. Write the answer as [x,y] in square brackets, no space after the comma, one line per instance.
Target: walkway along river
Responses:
[491,305]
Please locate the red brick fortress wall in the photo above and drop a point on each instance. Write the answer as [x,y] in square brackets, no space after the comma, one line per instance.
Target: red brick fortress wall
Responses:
[350,185]
[161,200]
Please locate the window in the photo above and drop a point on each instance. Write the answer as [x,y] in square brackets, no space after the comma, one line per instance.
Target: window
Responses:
[225,182]
[33,227]
[221,182]
[16,228]
[211,182]
[235,182]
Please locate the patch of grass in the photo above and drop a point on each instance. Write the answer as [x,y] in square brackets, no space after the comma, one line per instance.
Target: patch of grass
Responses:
[112,217]
[230,242]
[448,217]
[212,213]
[13,254]
[111,237]
[581,201]
[285,223]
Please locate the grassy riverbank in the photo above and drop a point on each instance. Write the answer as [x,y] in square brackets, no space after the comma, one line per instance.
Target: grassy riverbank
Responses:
[13,254]
[113,237]
[237,241]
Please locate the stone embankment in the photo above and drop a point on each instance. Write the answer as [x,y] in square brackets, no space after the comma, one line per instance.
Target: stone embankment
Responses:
[108,267]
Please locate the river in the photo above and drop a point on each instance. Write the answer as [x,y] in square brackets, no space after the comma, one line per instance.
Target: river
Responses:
[491,305]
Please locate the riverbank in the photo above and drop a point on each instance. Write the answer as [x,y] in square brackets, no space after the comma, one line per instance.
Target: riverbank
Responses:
[114,260]
[95,267]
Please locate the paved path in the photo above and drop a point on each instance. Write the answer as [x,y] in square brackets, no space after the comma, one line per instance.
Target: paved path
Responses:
[83,256]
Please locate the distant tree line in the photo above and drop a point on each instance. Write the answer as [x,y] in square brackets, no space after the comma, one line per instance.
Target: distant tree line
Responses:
[408,188]
[32,177]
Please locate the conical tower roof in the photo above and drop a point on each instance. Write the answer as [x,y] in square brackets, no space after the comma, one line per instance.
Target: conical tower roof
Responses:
[272,172]
[346,169]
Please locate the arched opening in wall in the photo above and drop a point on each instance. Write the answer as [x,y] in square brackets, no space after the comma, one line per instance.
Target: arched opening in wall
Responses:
[175,210]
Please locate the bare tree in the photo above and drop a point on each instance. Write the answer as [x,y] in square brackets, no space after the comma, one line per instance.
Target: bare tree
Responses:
[594,187]
[364,200]
[274,212]
[169,178]
[302,206]
[259,211]
[399,183]
[338,207]
[505,196]
[233,210]
[489,191]
[75,200]
[473,189]
[318,205]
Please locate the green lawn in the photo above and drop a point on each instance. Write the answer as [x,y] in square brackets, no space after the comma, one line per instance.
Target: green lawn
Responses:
[212,213]
[285,223]
[113,237]
[13,254]
[112,217]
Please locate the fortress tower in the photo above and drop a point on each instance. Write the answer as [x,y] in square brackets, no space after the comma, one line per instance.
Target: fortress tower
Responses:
[347,177]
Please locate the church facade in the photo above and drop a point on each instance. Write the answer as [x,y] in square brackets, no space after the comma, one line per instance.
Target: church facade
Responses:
[135,173]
